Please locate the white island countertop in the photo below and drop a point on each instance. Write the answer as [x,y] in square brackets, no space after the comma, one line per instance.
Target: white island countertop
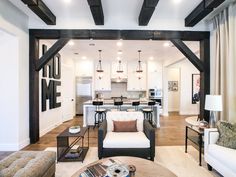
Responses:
[108,104]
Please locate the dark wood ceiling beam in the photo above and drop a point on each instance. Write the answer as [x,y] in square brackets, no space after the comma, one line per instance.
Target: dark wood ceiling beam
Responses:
[40,9]
[30,2]
[201,11]
[51,52]
[146,12]
[119,34]
[183,48]
[213,3]
[97,11]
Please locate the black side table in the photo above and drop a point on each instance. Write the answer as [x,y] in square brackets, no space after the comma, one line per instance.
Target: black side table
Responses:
[196,139]
[66,140]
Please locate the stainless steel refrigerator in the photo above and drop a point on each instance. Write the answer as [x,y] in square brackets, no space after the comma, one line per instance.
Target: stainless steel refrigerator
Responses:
[83,92]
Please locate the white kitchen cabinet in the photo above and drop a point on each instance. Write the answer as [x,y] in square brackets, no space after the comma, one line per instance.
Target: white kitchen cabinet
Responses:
[104,83]
[155,76]
[134,83]
[84,68]
[114,67]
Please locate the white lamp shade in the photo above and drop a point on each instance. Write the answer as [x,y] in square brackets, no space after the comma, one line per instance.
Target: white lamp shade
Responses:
[213,103]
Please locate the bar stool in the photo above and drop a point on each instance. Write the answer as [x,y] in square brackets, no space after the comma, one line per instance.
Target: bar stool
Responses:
[118,104]
[135,104]
[100,114]
[147,112]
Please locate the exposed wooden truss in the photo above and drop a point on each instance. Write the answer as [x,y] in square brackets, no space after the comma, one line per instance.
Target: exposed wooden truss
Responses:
[97,11]
[146,12]
[201,11]
[40,9]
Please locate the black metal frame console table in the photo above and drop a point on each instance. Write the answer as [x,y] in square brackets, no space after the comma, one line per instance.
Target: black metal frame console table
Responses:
[197,140]
[66,140]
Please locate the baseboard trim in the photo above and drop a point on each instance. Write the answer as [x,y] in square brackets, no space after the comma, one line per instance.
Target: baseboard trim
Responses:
[9,147]
[24,143]
[188,113]
[48,129]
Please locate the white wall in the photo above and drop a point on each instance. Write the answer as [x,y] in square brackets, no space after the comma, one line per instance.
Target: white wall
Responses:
[51,118]
[186,71]
[14,113]
[173,96]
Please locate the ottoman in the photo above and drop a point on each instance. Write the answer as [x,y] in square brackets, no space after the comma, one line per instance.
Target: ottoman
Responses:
[29,164]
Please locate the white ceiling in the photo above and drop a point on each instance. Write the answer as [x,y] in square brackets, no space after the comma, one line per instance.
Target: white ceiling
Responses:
[129,49]
[119,14]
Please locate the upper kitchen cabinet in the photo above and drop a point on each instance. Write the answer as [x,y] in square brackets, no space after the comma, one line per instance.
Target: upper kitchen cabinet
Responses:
[135,83]
[115,66]
[154,75]
[103,83]
[84,68]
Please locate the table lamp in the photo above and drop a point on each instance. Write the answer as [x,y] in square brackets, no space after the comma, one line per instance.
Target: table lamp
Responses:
[213,103]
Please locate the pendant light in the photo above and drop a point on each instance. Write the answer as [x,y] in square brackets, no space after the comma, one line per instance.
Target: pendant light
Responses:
[119,68]
[139,70]
[99,69]
[119,71]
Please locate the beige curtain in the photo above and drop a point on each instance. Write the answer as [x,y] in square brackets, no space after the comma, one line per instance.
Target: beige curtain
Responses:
[224,61]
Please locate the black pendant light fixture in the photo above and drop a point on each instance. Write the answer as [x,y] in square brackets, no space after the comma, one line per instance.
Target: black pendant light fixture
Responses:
[119,68]
[139,70]
[99,69]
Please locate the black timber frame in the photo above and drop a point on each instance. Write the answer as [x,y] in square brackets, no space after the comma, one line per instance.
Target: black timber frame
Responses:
[201,11]
[146,12]
[64,36]
[97,11]
[41,9]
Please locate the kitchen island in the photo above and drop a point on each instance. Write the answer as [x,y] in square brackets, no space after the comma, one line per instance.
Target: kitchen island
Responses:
[89,110]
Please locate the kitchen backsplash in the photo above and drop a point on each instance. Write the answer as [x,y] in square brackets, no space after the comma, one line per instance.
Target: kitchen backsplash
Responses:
[118,89]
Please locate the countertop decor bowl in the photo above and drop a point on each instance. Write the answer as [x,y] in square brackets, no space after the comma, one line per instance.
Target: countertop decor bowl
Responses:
[74,129]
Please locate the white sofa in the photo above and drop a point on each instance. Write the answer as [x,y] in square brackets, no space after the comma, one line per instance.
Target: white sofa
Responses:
[220,158]
[140,143]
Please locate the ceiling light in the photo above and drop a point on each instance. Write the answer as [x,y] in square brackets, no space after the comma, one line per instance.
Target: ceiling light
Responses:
[166,44]
[92,44]
[71,43]
[119,43]
[84,57]
[151,58]
[67,1]
[177,1]
[119,52]
[118,58]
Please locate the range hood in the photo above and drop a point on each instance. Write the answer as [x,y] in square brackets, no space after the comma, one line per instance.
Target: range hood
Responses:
[117,80]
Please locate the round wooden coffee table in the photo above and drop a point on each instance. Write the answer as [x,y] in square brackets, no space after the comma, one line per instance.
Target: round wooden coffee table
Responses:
[143,167]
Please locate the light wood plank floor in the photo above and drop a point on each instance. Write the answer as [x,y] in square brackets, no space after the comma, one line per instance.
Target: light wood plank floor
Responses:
[171,133]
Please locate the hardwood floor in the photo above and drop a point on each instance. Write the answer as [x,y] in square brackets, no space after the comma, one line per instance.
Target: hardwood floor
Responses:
[171,133]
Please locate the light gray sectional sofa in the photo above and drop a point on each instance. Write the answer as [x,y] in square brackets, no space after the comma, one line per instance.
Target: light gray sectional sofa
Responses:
[29,164]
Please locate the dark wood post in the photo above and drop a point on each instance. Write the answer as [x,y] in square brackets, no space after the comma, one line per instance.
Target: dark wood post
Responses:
[33,89]
[205,76]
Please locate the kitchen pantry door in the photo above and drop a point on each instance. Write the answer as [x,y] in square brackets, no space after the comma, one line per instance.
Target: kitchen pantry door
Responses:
[68,92]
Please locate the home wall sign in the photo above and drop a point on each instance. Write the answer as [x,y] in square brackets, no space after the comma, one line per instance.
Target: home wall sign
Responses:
[52,71]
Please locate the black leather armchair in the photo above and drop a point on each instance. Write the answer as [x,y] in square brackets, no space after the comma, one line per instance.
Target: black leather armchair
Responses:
[147,153]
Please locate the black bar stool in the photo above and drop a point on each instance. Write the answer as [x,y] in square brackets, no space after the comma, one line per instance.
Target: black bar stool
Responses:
[147,112]
[135,104]
[118,104]
[100,114]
